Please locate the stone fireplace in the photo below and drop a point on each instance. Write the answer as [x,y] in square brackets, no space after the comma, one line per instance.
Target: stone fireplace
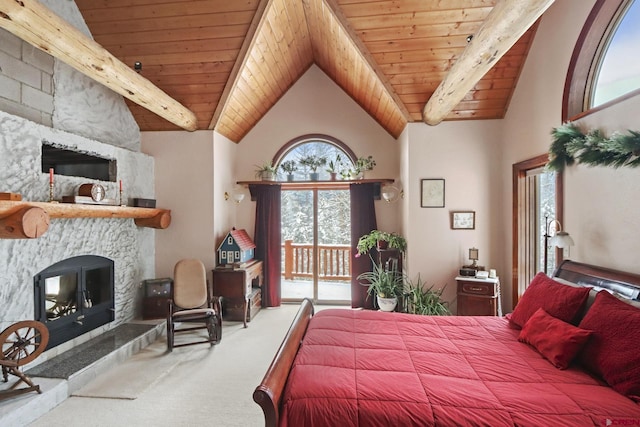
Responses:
[130,248]
[70,112]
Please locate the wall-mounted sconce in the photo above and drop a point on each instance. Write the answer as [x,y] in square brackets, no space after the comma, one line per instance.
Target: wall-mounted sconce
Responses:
[236,194]
[391,193]
[560,240]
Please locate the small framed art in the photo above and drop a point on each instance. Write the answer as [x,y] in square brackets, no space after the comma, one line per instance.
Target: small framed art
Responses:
[432,193]
[463,220]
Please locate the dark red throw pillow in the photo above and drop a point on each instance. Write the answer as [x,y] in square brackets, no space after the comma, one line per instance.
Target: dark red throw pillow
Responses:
[558,341]
[613,351]
[560,301]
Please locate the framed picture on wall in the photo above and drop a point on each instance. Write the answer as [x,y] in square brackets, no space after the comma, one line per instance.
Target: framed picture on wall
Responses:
[463,220]
[432,193]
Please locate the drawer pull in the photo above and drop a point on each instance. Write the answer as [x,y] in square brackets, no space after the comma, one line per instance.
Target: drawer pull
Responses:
[477,289]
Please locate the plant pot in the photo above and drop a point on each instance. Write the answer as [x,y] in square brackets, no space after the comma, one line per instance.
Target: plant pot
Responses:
[333,176]
[313,176]
[267,176]
[290,177]
[387,304]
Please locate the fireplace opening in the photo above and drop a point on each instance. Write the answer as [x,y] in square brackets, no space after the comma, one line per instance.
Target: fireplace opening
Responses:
[74,296]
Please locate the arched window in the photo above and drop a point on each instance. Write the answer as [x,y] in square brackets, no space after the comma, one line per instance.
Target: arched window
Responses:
[619,70]
[336,154]
[603,69]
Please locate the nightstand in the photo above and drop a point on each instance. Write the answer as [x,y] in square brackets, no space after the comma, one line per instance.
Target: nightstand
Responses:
[478,297]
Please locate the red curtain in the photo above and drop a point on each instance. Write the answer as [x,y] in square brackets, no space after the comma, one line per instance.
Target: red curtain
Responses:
[267,239]
[363,220]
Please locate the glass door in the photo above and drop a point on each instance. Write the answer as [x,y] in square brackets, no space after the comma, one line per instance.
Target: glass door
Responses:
[316,245]
[334,246]
[298,236]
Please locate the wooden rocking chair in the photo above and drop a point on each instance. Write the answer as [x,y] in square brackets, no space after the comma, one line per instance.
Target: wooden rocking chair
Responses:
[21,343]
[191,303]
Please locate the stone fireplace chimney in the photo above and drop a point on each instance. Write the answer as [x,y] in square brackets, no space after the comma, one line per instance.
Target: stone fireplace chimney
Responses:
[64,108]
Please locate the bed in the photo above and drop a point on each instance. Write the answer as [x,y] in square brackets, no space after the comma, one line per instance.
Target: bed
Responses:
[572,360]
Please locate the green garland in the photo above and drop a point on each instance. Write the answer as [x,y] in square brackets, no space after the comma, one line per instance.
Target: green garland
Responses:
[570,145]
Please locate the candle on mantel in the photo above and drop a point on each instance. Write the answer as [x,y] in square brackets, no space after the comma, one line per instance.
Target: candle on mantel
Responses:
[50,175]
[120,185]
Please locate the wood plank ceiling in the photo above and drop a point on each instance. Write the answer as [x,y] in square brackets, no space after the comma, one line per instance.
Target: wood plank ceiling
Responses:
[230,61]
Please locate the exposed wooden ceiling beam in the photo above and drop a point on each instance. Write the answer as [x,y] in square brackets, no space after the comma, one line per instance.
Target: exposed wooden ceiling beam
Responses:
[39,26]
[506,23]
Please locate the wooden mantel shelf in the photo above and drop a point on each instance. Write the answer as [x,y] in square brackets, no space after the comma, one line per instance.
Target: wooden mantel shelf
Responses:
[22,219]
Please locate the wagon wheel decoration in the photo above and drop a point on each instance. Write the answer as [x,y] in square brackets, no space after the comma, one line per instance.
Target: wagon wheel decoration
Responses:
[23,341]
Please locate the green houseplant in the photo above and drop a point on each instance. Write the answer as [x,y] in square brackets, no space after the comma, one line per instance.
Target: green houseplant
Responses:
[289,166]
[425,300]
[362,165]
[313,162]
[266,172]
[332,167]
[377,238]
[387,285]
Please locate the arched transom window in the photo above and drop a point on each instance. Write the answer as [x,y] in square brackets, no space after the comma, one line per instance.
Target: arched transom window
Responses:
[604,67]
[333,154]
[619,66]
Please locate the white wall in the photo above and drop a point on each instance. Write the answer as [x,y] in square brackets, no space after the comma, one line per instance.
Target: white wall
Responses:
[225,173]
[184,164]
[601,203]
[467,155]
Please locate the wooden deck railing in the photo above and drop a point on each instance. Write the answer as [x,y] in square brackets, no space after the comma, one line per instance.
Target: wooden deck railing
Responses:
[334,261]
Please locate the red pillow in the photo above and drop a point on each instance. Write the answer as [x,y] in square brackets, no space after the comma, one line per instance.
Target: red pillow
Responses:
[614,349]
[560,301]
[558,341]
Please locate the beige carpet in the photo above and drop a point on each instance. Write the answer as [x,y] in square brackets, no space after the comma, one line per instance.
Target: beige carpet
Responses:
[193,386]
[134,376]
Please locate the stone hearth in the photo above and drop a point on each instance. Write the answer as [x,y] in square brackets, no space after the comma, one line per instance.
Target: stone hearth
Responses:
[67,373]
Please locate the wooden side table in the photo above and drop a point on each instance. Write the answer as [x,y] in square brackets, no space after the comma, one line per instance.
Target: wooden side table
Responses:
[478,297]
[240,290]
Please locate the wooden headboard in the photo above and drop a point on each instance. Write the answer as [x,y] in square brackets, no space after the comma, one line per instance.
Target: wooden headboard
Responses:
[624,284]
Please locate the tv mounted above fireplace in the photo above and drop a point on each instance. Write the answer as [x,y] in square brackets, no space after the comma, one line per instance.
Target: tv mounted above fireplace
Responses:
[74,296]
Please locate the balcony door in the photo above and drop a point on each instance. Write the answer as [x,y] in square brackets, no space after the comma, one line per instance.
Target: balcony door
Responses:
[537,200]
[316,245]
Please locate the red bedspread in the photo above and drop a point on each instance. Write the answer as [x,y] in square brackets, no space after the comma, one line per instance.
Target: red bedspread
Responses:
[368,368]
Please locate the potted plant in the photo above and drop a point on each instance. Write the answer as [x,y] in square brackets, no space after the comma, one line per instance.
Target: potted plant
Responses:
[332,167]
[266,172]
[313,162]
[289,167]
[425,300]
[387,285]
[381,240]
[364,164]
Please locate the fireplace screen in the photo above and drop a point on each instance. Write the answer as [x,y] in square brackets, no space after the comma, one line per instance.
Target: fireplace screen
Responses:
[74,296]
